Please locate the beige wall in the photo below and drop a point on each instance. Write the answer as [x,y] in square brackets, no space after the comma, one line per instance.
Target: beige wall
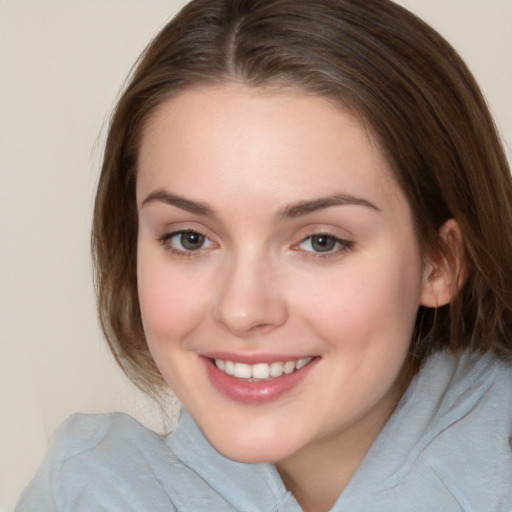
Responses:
[61,66]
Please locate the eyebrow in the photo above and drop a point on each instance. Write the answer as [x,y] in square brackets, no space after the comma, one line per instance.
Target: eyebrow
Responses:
[310,206]
[180,202]
[291,211]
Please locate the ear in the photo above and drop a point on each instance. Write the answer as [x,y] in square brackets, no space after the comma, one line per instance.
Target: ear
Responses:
[445,272]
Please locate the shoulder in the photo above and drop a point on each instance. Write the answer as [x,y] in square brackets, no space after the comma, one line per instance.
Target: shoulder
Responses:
[472,386]
[467,453]
[107,462]
[458,385]
[448,444]
[470,394]
[112,462]
[99,433]
[477,401]
[104,440]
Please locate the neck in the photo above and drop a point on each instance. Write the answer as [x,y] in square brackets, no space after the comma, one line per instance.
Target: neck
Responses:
[317,476]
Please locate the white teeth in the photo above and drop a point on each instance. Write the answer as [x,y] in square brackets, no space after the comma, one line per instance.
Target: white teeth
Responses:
[276,369]
[261,371]
[242,371]
[229,367]
[302,362]
[289,367]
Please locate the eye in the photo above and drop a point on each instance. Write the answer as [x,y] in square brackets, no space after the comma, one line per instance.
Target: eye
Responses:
[186,241]
[323,243]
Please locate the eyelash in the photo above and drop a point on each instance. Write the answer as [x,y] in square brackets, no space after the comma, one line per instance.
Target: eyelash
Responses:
[342,245]
[166,241]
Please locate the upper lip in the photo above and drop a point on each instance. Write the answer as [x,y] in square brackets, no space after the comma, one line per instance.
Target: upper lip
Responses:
[254,358]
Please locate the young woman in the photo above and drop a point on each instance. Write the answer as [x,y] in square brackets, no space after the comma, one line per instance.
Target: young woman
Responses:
[303,227]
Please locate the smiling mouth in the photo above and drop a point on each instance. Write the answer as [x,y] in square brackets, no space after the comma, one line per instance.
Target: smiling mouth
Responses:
[261,372]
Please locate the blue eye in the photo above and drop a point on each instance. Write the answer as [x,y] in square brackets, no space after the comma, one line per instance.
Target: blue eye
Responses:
[324,243]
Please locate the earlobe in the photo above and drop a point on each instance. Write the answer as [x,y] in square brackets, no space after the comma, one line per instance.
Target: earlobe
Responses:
[444,273]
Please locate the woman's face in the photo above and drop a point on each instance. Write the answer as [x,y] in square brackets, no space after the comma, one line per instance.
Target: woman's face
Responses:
[274,244]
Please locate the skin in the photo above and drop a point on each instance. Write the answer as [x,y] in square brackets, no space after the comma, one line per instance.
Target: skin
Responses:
[257,286]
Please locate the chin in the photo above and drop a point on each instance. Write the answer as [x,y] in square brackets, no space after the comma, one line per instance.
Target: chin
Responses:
[253,447]
[252,454]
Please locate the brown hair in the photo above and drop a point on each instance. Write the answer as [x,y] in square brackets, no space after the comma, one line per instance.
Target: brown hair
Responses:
[382,63]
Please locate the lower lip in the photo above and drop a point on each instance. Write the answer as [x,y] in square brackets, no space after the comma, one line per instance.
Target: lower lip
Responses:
[247,392]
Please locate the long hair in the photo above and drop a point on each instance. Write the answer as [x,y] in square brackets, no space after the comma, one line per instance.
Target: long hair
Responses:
[384,65]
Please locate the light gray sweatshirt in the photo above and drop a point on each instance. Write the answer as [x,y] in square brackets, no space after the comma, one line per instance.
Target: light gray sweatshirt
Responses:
[446,448]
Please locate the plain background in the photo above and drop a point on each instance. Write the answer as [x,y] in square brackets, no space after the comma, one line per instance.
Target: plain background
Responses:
[62,65]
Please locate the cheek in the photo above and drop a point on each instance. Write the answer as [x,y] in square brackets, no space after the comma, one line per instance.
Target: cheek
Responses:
[367,305]
[170,301]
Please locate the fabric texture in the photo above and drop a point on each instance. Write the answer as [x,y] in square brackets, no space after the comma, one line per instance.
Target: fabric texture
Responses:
[447,447]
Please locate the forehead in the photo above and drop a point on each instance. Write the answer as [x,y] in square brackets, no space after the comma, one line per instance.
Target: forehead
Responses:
[277,142]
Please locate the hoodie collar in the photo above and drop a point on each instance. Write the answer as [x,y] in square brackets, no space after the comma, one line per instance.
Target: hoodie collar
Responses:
[247,487]
[445,390]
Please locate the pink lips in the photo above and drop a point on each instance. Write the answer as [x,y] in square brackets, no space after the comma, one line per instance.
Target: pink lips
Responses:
[245,391]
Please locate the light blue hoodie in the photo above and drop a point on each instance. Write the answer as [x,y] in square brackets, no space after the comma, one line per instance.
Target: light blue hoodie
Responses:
[447,448]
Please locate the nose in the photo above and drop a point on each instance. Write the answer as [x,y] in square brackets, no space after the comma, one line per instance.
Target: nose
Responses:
[250,300]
